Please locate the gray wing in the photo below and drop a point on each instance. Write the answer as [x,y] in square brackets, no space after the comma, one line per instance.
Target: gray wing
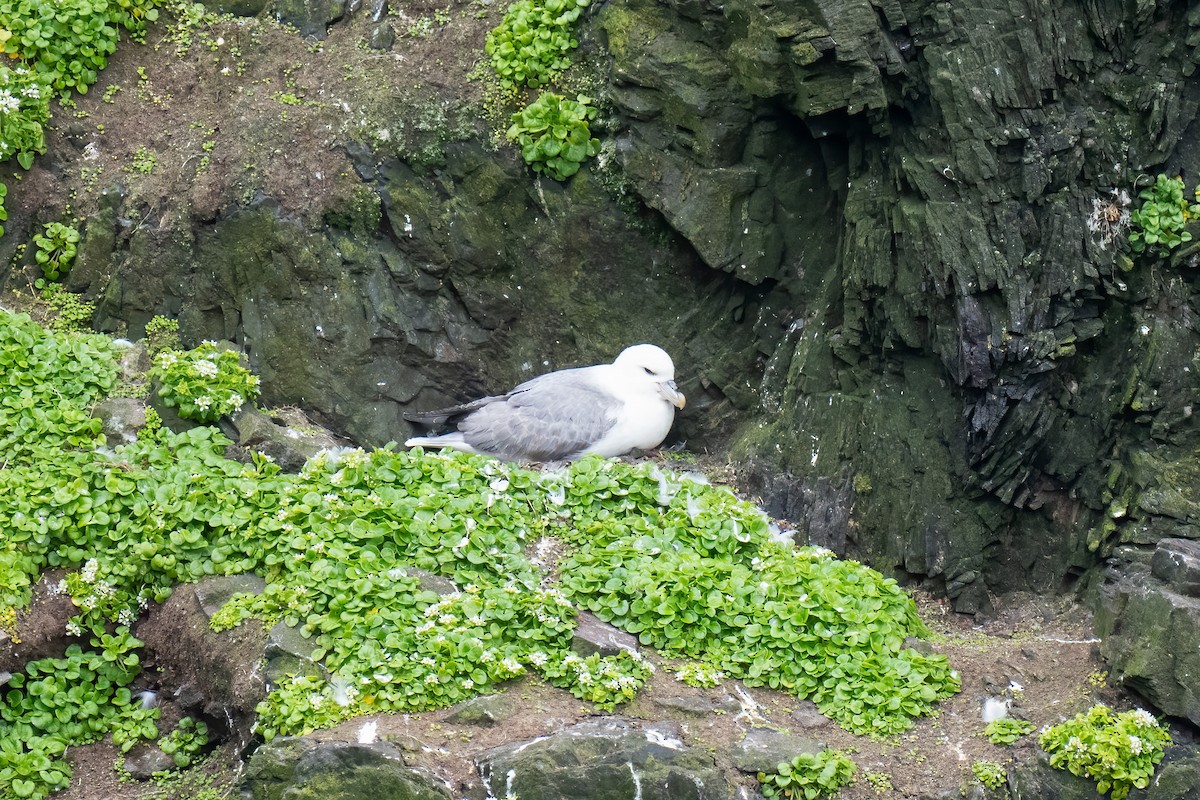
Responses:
[442,418]
[551,417]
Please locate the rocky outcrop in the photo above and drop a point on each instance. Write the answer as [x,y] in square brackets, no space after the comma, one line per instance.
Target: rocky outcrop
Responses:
[604,758]
[302,769]
[1175,779]
[1149,621]
[937,381]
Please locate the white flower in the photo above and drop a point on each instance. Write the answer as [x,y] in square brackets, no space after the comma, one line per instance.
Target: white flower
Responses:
[205,368]
[1144,717]
[1135,745]
[235,401]
[468,684]
[539,659]
[431,678]
[204,402]
[8,102]
[32,91]
[88,573]
[73,629]
[167,359]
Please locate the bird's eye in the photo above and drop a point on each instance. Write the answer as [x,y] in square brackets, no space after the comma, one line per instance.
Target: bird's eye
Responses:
[648,370]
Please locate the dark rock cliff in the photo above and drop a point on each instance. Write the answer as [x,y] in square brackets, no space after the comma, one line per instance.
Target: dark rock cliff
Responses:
[967,376]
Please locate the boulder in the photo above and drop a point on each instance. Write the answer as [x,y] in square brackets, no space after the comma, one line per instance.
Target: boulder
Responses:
[1176,778]
[1149,621]
[300,768]
[764,749]
[610,758]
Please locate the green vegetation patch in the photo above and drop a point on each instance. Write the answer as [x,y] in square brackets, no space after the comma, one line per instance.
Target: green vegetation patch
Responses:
[344,546]
[531,44]
[553,134]
[1117,751]
[1160,224]
[809,776]
[695,573]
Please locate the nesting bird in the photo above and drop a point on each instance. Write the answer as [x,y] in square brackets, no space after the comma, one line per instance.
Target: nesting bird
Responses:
[606,409]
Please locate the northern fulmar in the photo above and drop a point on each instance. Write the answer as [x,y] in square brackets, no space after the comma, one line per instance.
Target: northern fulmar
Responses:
[606,409]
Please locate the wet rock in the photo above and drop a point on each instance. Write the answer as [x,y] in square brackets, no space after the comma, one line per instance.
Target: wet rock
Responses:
[288,652]
[287,436]
[310,17]
[382,37]
[604,758]
[484,710]
[239,8]
[1176,562]
[214,592]
[762,749]
[698,706]
[121,417]
[146,759]
[216,675]
[593,635]
[303,769]
[808,716]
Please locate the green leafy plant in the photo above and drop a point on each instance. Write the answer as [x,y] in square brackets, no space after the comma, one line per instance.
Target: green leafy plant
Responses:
[989,773]
[1117,751]
[162,334]
[1007,730]
[1160,224]
[24,110]
[67,42]
[138,725]
[62,702]
[809,776]
[204,383]
[144,160]
[185,742]
[31,766]
[530,45]
[70,312]
[56,248]
[700,675]
[606,681]
[694,573]
[553,134]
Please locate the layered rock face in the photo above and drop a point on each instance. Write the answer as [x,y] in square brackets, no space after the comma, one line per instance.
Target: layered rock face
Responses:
[968,370]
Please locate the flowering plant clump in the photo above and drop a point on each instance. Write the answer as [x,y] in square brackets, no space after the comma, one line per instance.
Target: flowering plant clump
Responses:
[24,109]
[699,675]
[607,681]
[1117,751]
[204,383]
